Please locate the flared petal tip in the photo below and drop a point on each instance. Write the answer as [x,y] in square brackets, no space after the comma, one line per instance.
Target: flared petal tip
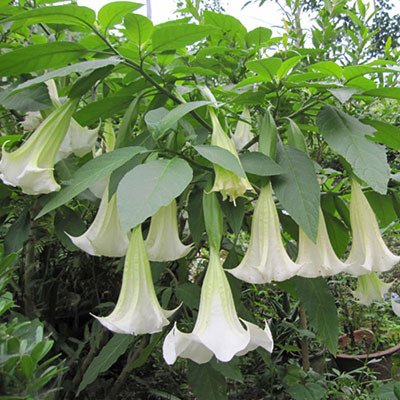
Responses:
[248,274]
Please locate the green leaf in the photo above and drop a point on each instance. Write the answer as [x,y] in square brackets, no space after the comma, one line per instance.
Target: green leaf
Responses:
[160,125]
[206,382]
[307,391]
[67,14]
[258,36]
[90,173]
[107,357]
[343,93]
[78,67]
[287,66]
[172,37]
[138,28]
[213,219]
[33,99]
[298,189]
[224,22]
[150,186]
[346,135]
[328,67]
[259,164]
[234,214]
[385,133]
[18,233]
[113,13]
[229,369]
[221,157]
[319,305]
[189,294]
[267,67]
[39,57]
[391,93]
[383,207]
[196,217]
[338,234]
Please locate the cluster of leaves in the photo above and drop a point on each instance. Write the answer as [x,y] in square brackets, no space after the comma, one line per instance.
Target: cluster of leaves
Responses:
[149,83]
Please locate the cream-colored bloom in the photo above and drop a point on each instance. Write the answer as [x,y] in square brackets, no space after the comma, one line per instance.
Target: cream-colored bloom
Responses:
[396,307]
[243,133]
[162,242]
[105,236]
[370,288]
[31,166]
[31,121]
[318,259]
[266,259]
[226,182]
[368,251]
[218,330]
[137,311]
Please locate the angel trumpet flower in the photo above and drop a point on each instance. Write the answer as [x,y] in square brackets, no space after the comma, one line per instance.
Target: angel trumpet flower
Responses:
[226,182]
[318,259]
[162,242]
[137,311]
[370,288]
[31,166]
[218,330]
[243,133]
[105,236]
[266,259]
[368,252]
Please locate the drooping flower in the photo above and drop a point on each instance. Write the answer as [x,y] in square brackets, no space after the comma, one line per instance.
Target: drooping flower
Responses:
[368,251]
[396,304]
[266,259]
[105,236]
[226,182]
[31,166]
[218,330]
[318,259]
[78,140]
[243,133]
[370,288]
[137,311]
[162,242]
[31,121]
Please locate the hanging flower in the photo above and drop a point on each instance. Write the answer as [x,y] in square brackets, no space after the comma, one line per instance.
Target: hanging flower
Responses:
[31,166]
[137,311]
[370,288]
[31,121]
[318,259]
[218,330]
[243,133]
[368,251]
[163,243]
[105,236]
[226,182]
[266,259]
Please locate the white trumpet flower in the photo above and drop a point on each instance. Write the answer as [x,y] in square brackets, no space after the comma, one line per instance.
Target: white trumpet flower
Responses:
[243,133]
[31,166]
[137,311]
[218,330]
[396,306]
[162,242]
[370,288]
[266,259]
[226,182]
[368,252]
[105,236]
[31,121]
[318,259]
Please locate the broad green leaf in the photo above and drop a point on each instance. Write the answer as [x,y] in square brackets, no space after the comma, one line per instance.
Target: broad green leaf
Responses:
[266,67]
[18,233]
[346,135]
[32,99]
[338,234]
[383,207]
[172,37]
[78,67]
[258,163]
[160,125]
[387,134]
[150,186]
[67,14]
[307,391]
[107,357]
[229,369]
[224,22]
[138,28]
[206,383]
[189,294]
[258,36]
[68,221]
[296,137]
[234,214]
[328,67]
[221,157]
[94,170]
[391,93]
[319,305]
[297,189]
[113,13]
[39,57]
[196,217]
[287,66]
[344,93]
